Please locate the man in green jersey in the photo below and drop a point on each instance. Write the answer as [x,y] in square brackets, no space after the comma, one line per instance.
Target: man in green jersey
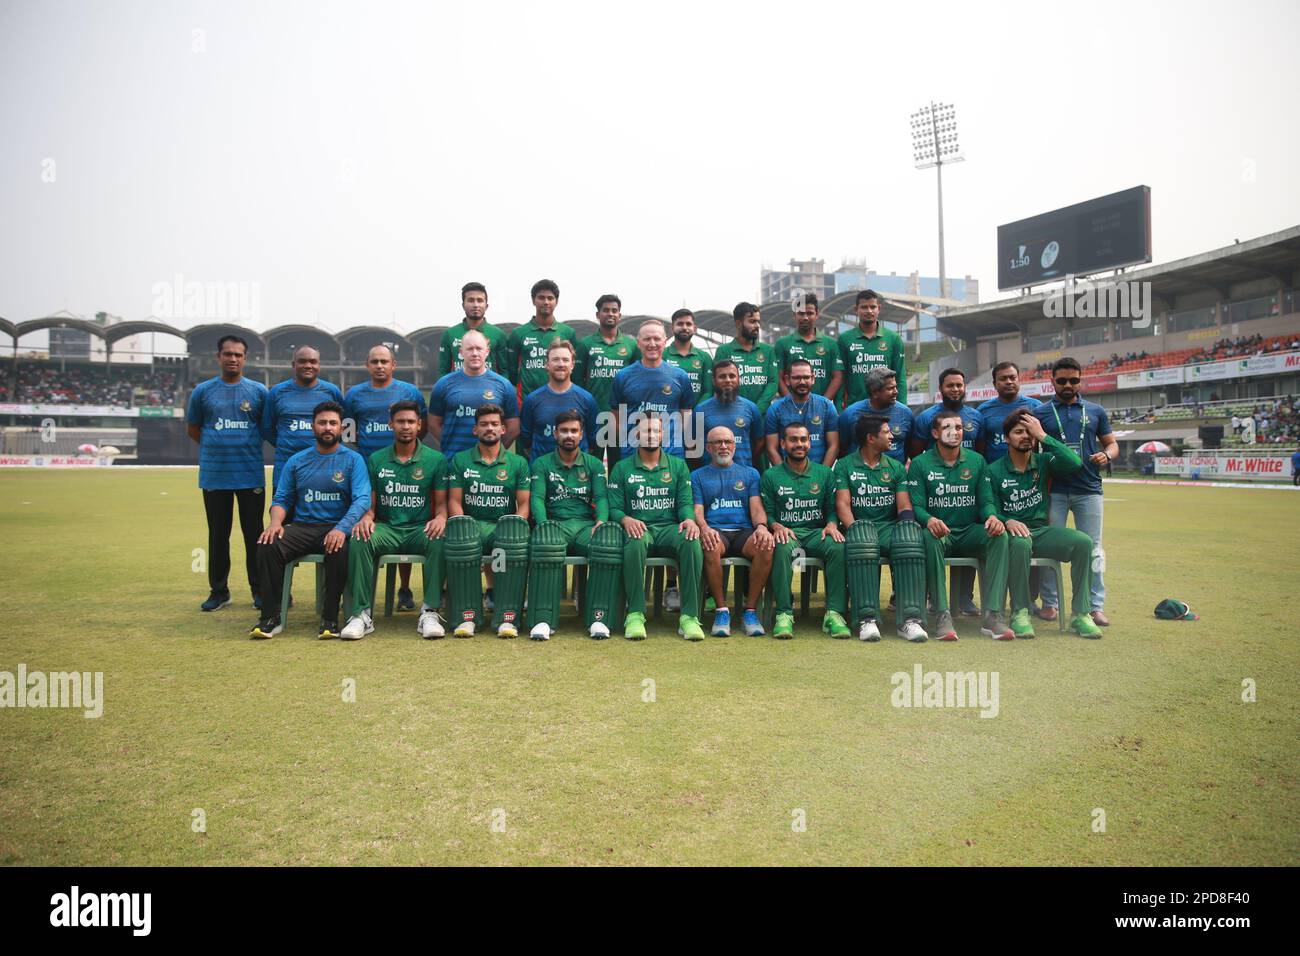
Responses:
[1020,481]
[820,351]
[759,373]
[487,499]
[408,513]
[571,507]
[525,349]
[694,361]
[650,496]
[950,493]
[474,300]
[600,357]
[799,498]
[871,502]
[870,345]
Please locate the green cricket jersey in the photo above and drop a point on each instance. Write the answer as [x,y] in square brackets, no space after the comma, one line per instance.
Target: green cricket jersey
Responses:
[599,361]
[823,353]
[959,494]
[488,489]
[1022,495]
[449,347]
[873,492]
[860,353]
[404,490]
[698,368]
[659,495]
[759,374]
[525,353]
[561,491]
[799,501]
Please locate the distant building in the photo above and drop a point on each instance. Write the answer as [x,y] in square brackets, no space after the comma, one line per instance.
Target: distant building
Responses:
[807,275]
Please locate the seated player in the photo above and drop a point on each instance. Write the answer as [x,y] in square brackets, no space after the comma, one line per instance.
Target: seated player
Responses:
[1020,481]
[871,502]
[328,490]
[650,496]
[408,514]
[949,490]
[732,522]
[487,501]
[571,506]
[799,498]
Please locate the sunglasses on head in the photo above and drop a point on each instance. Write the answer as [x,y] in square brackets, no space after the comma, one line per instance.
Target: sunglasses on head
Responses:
[1067,381]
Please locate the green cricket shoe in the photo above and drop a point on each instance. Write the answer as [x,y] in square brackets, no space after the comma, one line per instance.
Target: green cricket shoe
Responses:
[634,626]
[835,625]
[1022,625]
[1082,625]
[690,628]
[784,629]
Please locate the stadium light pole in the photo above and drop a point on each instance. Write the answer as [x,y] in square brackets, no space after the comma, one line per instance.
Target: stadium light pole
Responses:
[934,142]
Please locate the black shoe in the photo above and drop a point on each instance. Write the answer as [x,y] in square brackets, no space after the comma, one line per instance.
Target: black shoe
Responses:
[216,599]
[265,628]
[405,600]
[968,609]
[257,600]
[328,629]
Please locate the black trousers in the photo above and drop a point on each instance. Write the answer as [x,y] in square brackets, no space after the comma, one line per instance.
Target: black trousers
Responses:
[299,540]
[219,507]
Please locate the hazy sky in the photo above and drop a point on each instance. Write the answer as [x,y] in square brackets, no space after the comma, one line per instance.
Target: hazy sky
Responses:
[358,162]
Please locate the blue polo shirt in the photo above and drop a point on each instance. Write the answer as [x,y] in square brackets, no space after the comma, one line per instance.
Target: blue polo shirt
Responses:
[972,423]
[724,493]
[742,417]
[817,413]
[286,418]
[901,424]
[993,414]
[1078,425]
[325,489]
[665,390]
[456,397]
[537,419]
[230,446]
[368,406]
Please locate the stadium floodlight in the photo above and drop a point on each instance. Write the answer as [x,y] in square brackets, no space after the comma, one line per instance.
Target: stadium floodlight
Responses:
[934,142]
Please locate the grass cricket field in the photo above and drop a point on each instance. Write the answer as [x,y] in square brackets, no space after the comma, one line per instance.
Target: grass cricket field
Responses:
[212,749]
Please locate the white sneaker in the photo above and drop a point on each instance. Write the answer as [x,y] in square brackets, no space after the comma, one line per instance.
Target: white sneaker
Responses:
[430,624]
[869,631]
[464,629]
[358,626]
[913,631]
[507,630]
[541,632]
[672,600]
[598,630]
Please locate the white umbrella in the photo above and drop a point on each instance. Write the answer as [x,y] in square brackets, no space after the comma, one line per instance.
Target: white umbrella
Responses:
[1153,448]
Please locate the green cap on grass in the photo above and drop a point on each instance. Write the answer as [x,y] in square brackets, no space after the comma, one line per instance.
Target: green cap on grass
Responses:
[1172,609]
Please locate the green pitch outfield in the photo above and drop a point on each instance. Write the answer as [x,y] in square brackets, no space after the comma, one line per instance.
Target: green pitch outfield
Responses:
[213,749]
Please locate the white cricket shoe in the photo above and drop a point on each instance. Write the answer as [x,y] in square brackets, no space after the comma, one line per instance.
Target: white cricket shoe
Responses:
[464,629]
[507,629]
[540,632]
[672,599]
[358,626]
[913,631]
[869,631]
[598,630]
[429,625]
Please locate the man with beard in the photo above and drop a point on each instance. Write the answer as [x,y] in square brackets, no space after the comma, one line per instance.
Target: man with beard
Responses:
[882,387]
[992,443]
[1020,480]
[650,496]
[799,499]
[474,302]
[407,515]
[286,416]
[525,350]
[815,412]
[600,357]
[759,374]
[732,522]
[328,490]
[695,362]
[726,408]
[949,491]
[559,394]
[455,398]
[868,346]
[820,351]
[570,504]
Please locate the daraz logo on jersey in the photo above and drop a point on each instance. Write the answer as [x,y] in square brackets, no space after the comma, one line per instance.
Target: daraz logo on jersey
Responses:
[221,424]
[376,427]
[299,425]
[311,495]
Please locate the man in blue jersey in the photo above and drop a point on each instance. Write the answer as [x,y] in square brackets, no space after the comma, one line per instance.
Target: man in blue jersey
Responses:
[733,524]
[727,407]
[328,488]
[224,416]
[992,443]
[559,394]
[882,401]
[367,404]
[816,412]
[456,397]
[286,419]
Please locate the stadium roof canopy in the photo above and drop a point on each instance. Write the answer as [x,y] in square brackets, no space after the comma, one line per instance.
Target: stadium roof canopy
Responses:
[9,329]
[121,330]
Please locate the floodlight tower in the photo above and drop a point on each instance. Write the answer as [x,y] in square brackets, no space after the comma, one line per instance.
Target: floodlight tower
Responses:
[934,142]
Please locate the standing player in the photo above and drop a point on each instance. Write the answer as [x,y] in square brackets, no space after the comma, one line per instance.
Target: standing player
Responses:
[992,443]
[487,500]
[286,417]
[870,345]
[695,362]
[1085,429]
[729,513]
[726,408]
[407,515]
[224,416]
[455,398]
[570,504]
[328,490]
[525,351]
[821,351]
[559,394]
[949,491]
[871,501]
[650,496]
[474,300]
[600,357]
[882,387]
[1020,480]
[759,374]
[799,498]
[815,412]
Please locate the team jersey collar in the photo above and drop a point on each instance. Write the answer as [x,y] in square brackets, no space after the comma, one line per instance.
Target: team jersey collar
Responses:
[640,465]
[477,456]
[559,462]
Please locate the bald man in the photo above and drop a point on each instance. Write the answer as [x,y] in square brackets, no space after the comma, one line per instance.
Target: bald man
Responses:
[286,416]
[455,398]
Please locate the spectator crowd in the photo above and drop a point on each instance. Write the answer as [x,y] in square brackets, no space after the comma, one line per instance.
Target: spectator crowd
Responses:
[40,384]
